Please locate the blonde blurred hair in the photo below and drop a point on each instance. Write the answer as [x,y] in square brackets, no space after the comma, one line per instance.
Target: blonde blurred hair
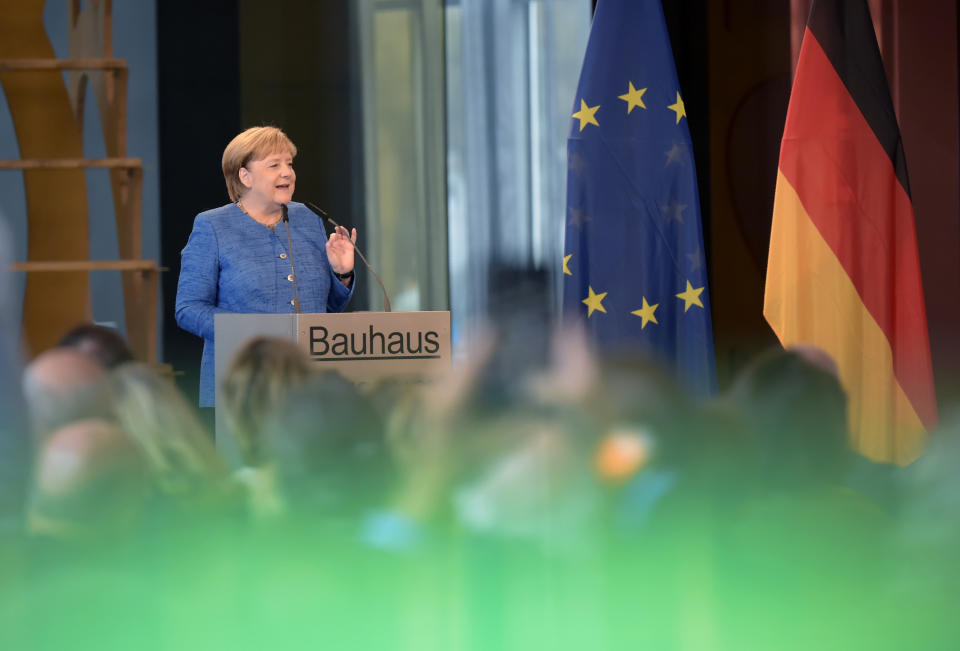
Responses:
[179,451]
[260,375]
[256,143]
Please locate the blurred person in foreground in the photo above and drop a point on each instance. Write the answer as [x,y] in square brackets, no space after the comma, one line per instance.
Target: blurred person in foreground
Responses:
[646,433]
[651,439]
[460,425]
[187,473]
[15,441]
[105,345]
[259,377]
[333,465]
[796,414]
[236,259]
[800,546]
[538,487]
[927,574]
[82,581]
[90,483]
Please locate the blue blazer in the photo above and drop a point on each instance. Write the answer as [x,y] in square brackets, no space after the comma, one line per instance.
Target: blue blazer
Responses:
[234,264]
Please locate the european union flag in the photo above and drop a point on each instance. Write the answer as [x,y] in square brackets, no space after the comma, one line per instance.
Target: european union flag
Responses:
[633,260]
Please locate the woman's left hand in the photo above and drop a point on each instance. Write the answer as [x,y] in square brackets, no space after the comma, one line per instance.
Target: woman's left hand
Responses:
[340,249]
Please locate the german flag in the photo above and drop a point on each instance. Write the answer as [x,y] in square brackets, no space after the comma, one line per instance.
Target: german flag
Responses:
[843,271]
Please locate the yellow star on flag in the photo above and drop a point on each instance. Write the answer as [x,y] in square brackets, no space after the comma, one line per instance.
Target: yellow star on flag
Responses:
[691,296]
[586,115]
[566,269]
[633,98]
[677,108]
[646,313]
[594,302]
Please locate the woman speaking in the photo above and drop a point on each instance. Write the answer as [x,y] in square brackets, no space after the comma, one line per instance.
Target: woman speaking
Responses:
[237,258]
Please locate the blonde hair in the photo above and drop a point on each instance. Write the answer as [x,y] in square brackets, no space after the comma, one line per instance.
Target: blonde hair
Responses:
[256,143]
[260,375]
[178,449]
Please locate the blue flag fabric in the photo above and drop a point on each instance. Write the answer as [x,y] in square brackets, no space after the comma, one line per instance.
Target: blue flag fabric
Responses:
[634,264]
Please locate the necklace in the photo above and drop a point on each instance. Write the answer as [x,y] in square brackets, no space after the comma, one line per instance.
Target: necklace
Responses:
[270,225]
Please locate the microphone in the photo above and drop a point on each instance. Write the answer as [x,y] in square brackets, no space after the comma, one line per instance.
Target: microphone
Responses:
[293,271]
[321,213]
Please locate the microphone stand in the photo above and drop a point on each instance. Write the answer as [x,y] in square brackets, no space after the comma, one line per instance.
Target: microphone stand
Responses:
[321,213]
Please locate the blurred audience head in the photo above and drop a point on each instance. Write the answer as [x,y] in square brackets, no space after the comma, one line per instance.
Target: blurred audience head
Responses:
[90,482]
[796,414]
[519,326]
[105,345]
[642,415]
[330,449]
[260,375]
[178,449]
[63,385]
[817,357]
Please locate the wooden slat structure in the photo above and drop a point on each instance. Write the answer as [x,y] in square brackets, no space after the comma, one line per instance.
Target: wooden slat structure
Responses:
[63,64]
[48,117]
[70,163]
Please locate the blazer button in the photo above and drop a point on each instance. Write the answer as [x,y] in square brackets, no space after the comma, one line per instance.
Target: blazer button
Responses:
[283,256]
[290,277]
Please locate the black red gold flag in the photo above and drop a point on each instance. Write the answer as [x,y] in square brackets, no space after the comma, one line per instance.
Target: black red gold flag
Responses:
[844,270]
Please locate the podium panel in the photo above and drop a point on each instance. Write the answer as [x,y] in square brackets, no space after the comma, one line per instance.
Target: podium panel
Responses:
[369,346]
[362,346]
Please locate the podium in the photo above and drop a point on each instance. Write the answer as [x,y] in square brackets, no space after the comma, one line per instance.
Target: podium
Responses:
[363,346]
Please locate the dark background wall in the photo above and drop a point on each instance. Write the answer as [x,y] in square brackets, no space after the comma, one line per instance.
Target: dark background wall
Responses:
[924,85]
[749,71]
[199,102]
